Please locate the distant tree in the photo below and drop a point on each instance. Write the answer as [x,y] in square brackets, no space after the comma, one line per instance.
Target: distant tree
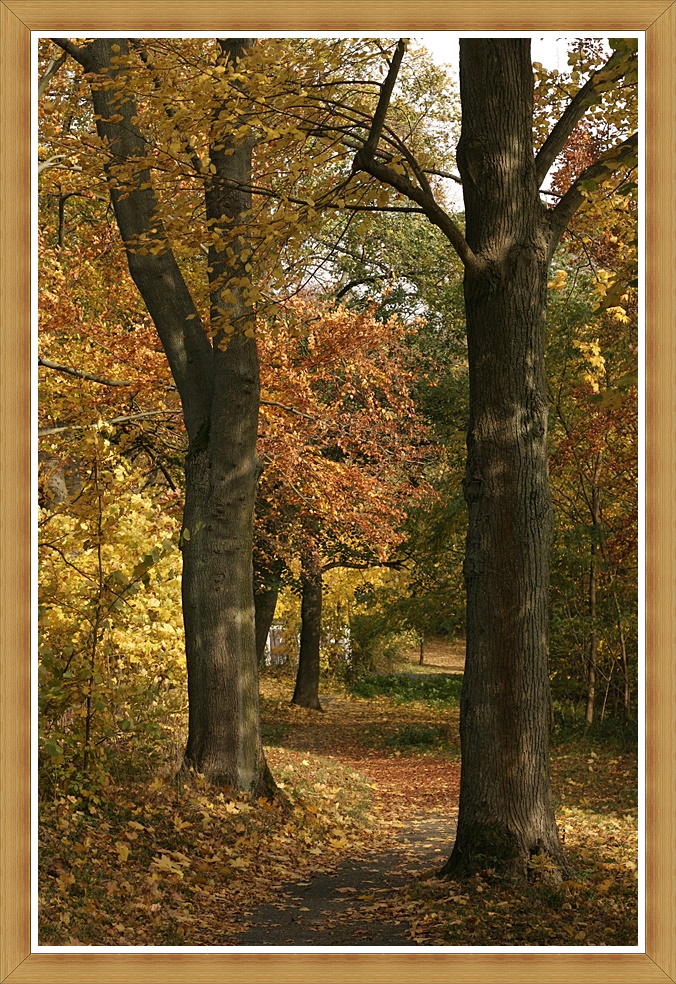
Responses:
[345,452]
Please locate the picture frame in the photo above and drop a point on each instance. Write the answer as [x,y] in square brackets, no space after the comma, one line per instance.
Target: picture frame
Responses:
[657,18]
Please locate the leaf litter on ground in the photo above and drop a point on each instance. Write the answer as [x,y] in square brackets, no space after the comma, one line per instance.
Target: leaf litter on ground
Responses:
[164,862]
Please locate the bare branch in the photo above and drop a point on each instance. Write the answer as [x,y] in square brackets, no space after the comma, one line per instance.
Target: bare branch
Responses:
[444,174]
[386,89]
[283,406]
[364,160]
[428,204]
[80,374]
[80,55]
[47,431]
[396,565]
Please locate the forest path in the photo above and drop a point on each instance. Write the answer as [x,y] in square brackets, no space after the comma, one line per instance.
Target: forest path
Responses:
[360,902]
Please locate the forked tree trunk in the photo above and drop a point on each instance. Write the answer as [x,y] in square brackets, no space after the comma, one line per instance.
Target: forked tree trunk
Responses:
[306,693]
[219,389]
[506,815]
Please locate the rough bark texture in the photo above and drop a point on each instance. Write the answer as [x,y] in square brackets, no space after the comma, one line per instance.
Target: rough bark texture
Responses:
[218,609]
[506,813]
[219,389]
[306,693]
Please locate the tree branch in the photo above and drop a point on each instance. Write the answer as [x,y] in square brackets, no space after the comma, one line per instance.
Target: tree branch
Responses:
[428,204]
[81,55]
[51,70]
[396,565]
[369,148]
[47,431]
[80,374]
[351,284]
[622,155]
[364,160]
[284,406]
[576,109]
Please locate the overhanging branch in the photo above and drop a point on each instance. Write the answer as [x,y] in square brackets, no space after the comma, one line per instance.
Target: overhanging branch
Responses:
[576,109]
[622,155]
[80,374]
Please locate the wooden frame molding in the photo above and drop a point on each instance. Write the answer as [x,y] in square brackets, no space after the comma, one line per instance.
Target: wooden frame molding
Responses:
[657,18]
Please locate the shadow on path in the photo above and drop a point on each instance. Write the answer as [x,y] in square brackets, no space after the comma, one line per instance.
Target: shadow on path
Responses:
[360,902]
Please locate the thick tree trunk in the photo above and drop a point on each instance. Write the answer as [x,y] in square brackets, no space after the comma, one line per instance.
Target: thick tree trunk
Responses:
[306,693]
[222,471]
[506,816]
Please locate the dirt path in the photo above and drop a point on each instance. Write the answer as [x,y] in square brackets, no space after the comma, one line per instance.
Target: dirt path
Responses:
[441,655]
[358,904]
[361,902]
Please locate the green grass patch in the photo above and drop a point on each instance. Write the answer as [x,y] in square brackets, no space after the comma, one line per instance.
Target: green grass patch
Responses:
[403,688]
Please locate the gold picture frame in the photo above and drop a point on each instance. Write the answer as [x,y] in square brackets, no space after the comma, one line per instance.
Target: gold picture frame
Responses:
[657,18]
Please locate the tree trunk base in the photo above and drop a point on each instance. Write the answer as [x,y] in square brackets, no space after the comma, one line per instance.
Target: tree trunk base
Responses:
[312,703]
[496,848]
[264,788]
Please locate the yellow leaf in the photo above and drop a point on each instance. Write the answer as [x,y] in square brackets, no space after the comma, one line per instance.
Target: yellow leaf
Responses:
[123,850]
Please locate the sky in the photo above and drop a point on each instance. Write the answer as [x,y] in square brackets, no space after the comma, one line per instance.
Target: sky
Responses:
[551,49]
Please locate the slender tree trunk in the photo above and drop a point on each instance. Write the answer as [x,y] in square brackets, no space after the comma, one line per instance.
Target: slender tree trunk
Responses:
[306,693]
[506,815]
[266,592]
[625,667]
[421,661]
[592,660]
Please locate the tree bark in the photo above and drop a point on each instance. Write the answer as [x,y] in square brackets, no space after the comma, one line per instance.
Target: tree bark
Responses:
[506,813]
[306,693]
[219,389]
[222,469]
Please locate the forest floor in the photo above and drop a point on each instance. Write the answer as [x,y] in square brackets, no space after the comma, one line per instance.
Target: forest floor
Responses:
[350,858]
